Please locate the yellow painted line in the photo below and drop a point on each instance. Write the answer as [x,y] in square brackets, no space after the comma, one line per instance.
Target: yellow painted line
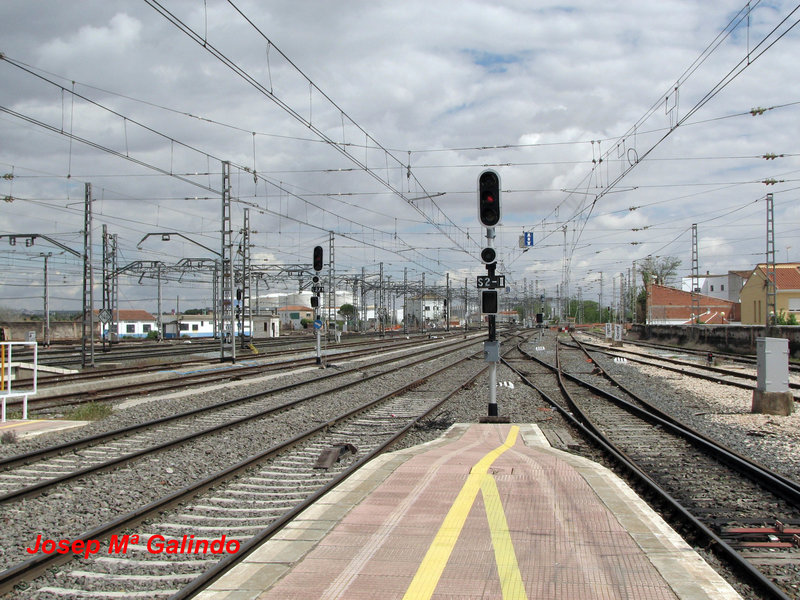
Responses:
[10,425]
[504,555]
[430,570]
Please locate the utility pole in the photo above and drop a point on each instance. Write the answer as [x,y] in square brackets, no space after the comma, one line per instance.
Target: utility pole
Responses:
[46,255]
[226,296]
[245,314]
[110,287]
[422,304]
[381,302]
[772,305]
[88,281]
[695,277]
[628,296]
[405,300]
[160,319]
[447,305]
[565,277]
[601,296]
[364,299]
[613,306]
[331,285]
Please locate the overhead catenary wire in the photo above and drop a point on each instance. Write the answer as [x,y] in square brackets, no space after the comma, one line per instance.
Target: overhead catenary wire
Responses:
[269,93]
[162,170]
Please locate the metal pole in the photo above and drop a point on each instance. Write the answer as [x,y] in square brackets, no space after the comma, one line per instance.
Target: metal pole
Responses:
[490,268]
[318,316]
[46,304]
[771,288]
[466,306]
[422,304]
[214,298]
[405,301]
[492,385]
[447,307]
[227,278]
[159,318]
[381,310]
[695,277]
[88,279]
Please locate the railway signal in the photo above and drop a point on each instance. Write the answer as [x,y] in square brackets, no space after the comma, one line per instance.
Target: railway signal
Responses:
[489,302]
[489,198]
[488,255]
[318,258]
[316,288]
[489,215]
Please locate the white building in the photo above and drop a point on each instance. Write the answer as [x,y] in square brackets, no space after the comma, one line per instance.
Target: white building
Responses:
[131,324]
[724,287]
[202,326]
[428,307]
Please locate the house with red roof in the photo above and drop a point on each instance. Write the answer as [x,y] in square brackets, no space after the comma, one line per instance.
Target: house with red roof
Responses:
[787,293]
[132,323]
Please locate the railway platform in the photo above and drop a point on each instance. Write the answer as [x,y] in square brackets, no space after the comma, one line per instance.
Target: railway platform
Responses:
[486,511]
[32,427]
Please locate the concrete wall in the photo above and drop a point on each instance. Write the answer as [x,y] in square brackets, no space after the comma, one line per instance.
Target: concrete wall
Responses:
[738,339]
[17,331]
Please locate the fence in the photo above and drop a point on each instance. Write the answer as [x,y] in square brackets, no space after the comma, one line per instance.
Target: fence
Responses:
[6,380]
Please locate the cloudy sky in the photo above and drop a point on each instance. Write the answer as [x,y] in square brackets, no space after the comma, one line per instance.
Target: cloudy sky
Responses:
[614,127]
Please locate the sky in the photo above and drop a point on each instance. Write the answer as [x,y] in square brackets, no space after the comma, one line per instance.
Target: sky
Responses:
[614,127]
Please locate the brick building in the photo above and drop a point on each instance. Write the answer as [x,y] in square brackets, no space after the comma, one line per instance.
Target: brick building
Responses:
[667,306]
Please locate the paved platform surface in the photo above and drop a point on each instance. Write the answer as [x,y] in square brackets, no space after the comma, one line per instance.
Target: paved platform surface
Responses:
[487,511]
[33,427]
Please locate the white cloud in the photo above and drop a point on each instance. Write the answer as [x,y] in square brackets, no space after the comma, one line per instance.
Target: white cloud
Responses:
[94,43]
[475,78]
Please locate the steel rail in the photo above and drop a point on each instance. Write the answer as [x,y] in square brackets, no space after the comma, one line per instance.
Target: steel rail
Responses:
[38,488]
[228,562]
[224,373]
[38,564]
[753,467]
[786,488]
[746,359]
[719,546]
[713,369]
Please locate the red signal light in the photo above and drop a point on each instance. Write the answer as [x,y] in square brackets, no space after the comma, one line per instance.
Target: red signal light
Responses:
[489,198]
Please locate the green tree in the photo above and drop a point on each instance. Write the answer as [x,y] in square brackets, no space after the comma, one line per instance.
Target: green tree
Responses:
[347,310]
[660,270]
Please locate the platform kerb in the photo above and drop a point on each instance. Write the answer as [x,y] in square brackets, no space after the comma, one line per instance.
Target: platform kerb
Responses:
[574,529]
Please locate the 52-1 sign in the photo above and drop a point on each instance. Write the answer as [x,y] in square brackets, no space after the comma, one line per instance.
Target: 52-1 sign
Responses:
[488,282]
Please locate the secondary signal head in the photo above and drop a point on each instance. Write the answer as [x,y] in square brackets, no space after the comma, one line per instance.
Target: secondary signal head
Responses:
[489,198]
[488,255]
[489,302]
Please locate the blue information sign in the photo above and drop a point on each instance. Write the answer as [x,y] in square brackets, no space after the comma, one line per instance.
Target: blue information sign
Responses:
[528,238]
[318,324]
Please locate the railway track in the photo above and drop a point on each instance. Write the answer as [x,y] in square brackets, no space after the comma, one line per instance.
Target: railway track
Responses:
[721,375]
[59,356]
[30,474]
[701,481]
[267,490]
[743,359]
[162,378]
